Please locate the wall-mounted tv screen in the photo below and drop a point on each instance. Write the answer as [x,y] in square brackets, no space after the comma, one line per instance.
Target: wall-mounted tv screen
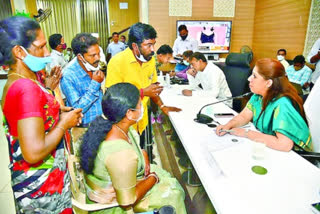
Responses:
[212,36]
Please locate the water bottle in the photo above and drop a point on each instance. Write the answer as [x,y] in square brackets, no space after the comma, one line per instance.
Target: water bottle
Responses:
[168,80]
[160,78]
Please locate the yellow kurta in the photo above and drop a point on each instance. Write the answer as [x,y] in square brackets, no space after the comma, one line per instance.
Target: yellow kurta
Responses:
[124,67]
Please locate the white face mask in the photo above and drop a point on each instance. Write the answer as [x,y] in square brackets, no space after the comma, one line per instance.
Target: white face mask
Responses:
[88,66]
[140,116]
[141,57]
[280,57]
[186,63]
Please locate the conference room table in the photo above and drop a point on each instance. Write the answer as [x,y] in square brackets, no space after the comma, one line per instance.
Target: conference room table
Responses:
[224,164]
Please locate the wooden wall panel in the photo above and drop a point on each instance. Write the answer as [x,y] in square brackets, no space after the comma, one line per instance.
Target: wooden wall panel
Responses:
[242,23]
[280,24]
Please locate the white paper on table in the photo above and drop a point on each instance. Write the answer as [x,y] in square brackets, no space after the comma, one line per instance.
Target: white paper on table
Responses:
[214,166]
[224,142]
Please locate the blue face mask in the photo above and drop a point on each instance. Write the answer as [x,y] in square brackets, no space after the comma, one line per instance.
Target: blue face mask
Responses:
[34,63]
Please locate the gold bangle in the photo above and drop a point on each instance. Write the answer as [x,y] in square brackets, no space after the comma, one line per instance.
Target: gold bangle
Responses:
[162,106]
[155,176]
[61,129]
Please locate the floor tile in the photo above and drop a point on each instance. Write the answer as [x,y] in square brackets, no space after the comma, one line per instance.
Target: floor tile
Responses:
[6,203]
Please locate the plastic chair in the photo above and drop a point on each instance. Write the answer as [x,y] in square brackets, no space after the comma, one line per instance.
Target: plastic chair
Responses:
[78,187]
[77,179]
[237,71]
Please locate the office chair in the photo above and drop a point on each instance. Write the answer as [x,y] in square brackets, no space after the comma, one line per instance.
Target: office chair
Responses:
[237,71]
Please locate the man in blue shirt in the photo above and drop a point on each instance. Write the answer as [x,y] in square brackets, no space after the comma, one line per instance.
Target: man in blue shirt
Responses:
[298,72]
[115,47]
[81,80]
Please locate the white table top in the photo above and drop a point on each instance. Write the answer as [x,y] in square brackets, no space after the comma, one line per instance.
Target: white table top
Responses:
[291,185]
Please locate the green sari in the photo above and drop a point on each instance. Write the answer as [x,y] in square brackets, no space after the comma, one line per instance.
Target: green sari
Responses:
[118,155]
[280,116]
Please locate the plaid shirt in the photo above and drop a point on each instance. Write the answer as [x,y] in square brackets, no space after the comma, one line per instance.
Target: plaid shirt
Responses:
[300,77]
[81,91]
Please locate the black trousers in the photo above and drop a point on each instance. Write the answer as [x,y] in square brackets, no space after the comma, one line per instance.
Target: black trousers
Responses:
[146,138]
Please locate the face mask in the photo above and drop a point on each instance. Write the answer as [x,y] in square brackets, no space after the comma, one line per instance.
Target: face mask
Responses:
[186,63]
[280,57]
[88,66]
[184,37]
[64,46]
[140,116]
[68,52]
[35,63]
[141,57]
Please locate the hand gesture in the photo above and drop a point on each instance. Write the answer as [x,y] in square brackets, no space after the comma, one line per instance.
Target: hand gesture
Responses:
[109,195]
[65,108]
[192,72]
[221,127]
[167,109]
[71,118]
[153,90]
[187,92]
[98,76]
[172,73]
[53,80]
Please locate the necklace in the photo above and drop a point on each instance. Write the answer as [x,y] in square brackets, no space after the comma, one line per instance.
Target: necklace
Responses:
[35,81]
[123,133]
[20,75]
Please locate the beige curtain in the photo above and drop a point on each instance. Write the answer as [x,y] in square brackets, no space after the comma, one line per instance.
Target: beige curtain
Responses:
[313,31]
[64,18]
[5,9]
[94,19]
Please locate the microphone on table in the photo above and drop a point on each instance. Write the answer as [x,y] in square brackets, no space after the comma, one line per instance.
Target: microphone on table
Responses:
[202,118]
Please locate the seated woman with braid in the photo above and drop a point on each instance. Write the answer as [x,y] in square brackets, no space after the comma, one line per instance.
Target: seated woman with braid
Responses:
[275,108]
[111,157]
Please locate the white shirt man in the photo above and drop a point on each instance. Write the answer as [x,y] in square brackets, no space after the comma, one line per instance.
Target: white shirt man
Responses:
[180,46]
[184,42]
[114,48]
[211,78]
[57,59]
[57,44]
[102,55]
[313,58]
[281,56]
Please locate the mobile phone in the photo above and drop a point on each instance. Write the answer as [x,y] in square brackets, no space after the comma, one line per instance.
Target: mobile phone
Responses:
[316,208]
[224,115]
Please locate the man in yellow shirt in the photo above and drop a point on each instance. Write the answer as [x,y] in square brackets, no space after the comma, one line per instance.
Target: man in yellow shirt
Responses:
[136,65]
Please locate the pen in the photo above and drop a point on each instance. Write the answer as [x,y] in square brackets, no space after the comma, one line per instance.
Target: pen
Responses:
[228,131]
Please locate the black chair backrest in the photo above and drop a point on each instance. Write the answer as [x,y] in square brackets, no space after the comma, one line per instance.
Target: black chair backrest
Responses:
[237,71]
[290,61]
[298,87]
